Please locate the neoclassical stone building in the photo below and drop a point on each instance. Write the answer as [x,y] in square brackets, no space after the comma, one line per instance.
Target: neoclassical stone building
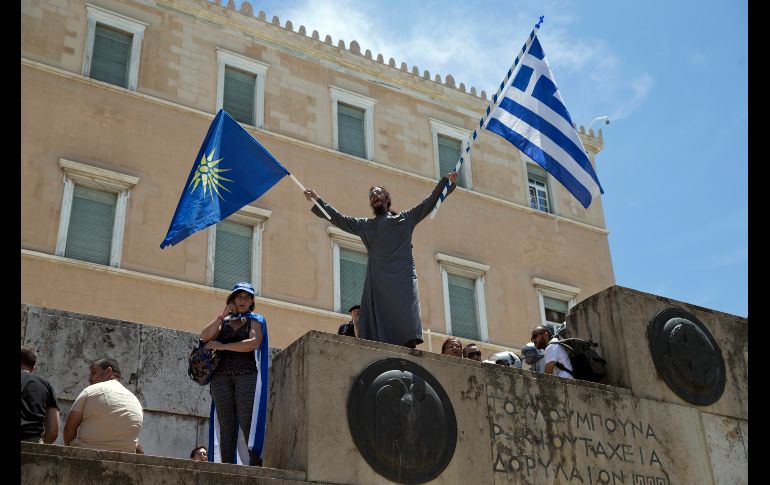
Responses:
[116,98]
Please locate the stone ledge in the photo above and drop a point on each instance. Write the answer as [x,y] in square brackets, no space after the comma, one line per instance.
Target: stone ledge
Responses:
[319,335]
[59,464]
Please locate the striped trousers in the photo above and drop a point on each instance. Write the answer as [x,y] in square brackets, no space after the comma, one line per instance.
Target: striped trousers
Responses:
[234,399]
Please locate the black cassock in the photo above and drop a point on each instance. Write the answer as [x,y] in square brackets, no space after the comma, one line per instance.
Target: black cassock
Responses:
[390,303]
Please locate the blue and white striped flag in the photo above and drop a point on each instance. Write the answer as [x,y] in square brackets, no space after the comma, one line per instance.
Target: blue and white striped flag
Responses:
[532,116]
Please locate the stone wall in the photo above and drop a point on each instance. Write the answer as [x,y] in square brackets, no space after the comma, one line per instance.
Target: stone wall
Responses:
[153,362]
[516,426]
[618,319]
[513,425]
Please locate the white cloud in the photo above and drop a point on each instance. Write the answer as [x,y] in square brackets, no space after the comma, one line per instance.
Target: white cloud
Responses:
[476,43]
[639,89]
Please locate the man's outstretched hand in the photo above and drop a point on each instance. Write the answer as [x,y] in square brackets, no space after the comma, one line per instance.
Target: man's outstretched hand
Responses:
[310,194]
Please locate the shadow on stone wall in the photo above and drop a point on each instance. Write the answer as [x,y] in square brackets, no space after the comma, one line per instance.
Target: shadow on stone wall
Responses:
[153,361]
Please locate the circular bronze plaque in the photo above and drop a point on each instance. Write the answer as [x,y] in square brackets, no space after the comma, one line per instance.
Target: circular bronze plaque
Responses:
[402,421]
[687,356]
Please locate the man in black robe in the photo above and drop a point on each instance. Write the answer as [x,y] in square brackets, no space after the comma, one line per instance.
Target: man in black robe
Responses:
[390,304]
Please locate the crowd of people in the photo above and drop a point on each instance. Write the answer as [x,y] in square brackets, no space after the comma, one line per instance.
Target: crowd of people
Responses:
[542,354]
[108,416]
[104,416]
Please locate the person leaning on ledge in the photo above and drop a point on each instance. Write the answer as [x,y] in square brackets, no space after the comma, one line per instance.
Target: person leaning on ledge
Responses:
[554,353]
[351,328]
[106,415]
[39,409]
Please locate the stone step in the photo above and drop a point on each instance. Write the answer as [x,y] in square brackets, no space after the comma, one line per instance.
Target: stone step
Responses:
[63,465]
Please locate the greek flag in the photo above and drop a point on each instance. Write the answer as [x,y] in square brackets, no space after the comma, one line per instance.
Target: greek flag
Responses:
[532,116]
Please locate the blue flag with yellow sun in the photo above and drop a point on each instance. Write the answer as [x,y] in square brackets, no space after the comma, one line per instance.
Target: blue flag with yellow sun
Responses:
[231,170]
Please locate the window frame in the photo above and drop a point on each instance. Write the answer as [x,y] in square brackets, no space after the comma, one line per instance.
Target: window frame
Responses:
[76,173]
[358,101]
[252,66]
[549,188]
[340,238]
[552,289]
[437,128]
[249,216]
[468,269]
[119,22]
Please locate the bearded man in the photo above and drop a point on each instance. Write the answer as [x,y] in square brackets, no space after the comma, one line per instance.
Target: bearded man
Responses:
[390,304]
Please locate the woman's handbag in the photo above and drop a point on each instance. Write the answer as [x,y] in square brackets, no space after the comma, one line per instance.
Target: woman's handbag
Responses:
[202,363]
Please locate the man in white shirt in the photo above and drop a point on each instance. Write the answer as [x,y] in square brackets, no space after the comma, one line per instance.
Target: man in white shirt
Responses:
[554,353]
[106,415]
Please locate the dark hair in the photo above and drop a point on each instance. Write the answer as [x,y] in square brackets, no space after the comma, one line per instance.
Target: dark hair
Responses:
[28,357]
[354,307]
[465,349]
[192,453]
[235,293]
[384,191]
[104,363]
[446,342]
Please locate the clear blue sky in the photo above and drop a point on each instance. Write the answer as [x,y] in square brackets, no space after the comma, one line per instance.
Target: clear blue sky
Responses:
[672,77]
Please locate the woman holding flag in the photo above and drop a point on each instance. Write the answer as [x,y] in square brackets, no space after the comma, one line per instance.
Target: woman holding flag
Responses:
[239,385]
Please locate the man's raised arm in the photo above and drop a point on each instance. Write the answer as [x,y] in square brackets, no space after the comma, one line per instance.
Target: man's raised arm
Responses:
[346,223]
[421,210]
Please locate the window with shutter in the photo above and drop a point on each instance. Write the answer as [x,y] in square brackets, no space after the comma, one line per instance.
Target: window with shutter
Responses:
[447,147]
[241,87]
[555,309]
[537,181]
[238,100]
[352,138]
[113,47]
[89,237]
[448,155]
[462,307]
[352,123]
[232,254]
[352,276]
[111,56]
[93,213]
[555,300]
[465,313]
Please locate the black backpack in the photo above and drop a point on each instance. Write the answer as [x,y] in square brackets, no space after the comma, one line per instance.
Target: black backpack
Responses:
[587,364]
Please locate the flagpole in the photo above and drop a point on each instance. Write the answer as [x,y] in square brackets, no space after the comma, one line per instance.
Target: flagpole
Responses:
[466,146]
[314,201]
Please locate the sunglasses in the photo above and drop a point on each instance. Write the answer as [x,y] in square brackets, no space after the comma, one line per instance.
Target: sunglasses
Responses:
[473,354]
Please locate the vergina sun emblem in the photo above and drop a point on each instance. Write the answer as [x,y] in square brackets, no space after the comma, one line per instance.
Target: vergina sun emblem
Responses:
[208,176]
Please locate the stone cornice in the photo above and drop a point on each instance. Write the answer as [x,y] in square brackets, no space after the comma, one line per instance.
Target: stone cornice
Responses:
[200,289]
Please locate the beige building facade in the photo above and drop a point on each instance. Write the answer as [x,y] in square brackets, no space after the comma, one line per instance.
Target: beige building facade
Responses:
[509,261]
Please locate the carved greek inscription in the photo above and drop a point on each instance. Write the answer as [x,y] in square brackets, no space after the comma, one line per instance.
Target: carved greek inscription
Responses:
[649,480]
[560,443]
[474,389]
